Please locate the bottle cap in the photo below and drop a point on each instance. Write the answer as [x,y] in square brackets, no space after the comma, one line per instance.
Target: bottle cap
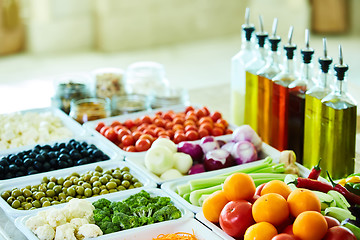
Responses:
[325,61]
[307,52]
[340,68]
[274,40]
[247,27]
[290,47]
[261,36]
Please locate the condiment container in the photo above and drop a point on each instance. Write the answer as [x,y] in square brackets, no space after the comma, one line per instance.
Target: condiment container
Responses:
[168,97]
[89,109]
[129,104]
[69,87]
[108,82]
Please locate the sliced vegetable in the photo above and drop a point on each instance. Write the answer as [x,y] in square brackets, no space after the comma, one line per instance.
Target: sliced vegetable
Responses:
[228,146]
[193,149]
[217,159]
[196,195]
[209,143]
[244,152]
[197,168]
[182,162]
[246,133]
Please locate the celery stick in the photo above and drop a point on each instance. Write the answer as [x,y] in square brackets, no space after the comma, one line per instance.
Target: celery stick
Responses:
[266,163]
[202,199]
[195,195]
[277,168]
[186,196]
[206,182]
[183,189]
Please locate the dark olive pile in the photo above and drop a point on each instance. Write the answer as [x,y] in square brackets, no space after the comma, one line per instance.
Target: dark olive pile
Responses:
[47,158]
[53,190]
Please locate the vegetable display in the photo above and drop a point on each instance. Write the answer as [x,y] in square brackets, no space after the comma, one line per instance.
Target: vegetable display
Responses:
[139,134]
[53,190]
[137,210]
[43,158]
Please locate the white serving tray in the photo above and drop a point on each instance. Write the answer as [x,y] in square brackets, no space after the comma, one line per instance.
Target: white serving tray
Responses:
[200,216]
[186,215]
[103,146]
[75,128]
[90,127]
[36,179]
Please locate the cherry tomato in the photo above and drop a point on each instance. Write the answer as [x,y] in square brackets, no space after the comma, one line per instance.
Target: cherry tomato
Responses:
[179,137]
[122,132]
[159,113]
[206,120]
[168,116]
[178,120]
[228,131]
[103,130]
[163,132]
[207,126]
[203,132]
[236,217]
[129,123]
[223,122]
[142,127]
[115,123]
[170,133]
[150,132]
[190,127]
[215,116]
[158,129]
[160,122]
[147,136]
[152,126]
[145,119]
[199,113]
[130,149]
[217,131]
[191,116]
[189,122]
[219,125]
[111,134]
[169,125]
[99,126]
[127,140]
[178,127]
[142,145]
[189,108]
[136,135]
[117,128]
[192,135]
[164,136]
[206,111]
[137,121]
[284,236]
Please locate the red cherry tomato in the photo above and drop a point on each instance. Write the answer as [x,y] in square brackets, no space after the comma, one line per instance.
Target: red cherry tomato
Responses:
[178,120]
[164,136]
[147,136]
[192,135]
[219,125]
[215,116]
[236,217]
[189,108]
[206,126]
[130,149]
[206,120]
[170,133]
[206,111]
[136,135]
[217,131]
[228,131]
[115,123]
[203,132]
[127,140]
[103,130]
[199,113]
[178,127]
[111,135]
[129,123]
[223,122]
[191,116]
[189,122]
[190,127]
[179,137]
[160,122]
[142,145]
[122,132]
[99,126]
[284,236]
[168,116]
[146,119]
[150,132]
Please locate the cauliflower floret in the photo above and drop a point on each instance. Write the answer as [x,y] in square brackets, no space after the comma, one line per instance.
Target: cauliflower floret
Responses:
[34,222]
[80,208]
[88,231]
[55,217]
[45,232]
[65,232]
[78,222]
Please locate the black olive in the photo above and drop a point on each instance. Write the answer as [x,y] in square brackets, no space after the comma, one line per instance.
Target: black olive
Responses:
[53,162]
[72,141]
[46,147]
[82,161]
[40,158]
[38,147]
[20,155]
[13,168]
[51,155]
[28,162]
[62,145]
[70,162]
[12,158]
[105,157]
[18,162]
[84,153]
[22,168]
[29,168]
[4,162]
[90,152]
[37,165]
[2,170]
[84,144]
[92,146]
[9,175]
[55,147]
[19,174]
[63,157]
[27,152]
[97,153]
[32,172]
[46,166]
[62,164]
[32,154]
[78,147]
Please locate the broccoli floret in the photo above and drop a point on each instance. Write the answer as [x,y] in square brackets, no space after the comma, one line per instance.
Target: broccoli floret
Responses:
[102,215]
[125,221]
[163,201]
[168,212]
[101,203]
[109,227]
[120,207]
[139,199]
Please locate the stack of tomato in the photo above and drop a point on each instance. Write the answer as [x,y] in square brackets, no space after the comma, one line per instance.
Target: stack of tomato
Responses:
[270,212]
[192,124]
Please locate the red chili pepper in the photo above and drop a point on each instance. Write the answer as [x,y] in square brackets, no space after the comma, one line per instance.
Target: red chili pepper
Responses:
[315,171]
[351,197]
[312,184]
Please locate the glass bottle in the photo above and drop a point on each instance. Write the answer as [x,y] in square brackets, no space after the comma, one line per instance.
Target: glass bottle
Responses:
[238,63]
[280,94]
[296,103]
[338,126]
[251,94]
[313,108]
[265,76]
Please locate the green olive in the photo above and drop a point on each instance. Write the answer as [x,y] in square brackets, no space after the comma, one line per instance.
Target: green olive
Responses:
[103,180]
[86,185]
[21,198]
[80,190]
[75,181]
[95,195]
[29,199]
[62,201]
[117,175]
[71,191]
[138,184]
[28,187]
[55,198]
[96,184]
[125,169]
[94,179]
[78,196]
[98,169]
[87,177]
[127,176]
[20,208]
[113,180]
[64,190]
[27,206]
[5,195]
[67,183]
[134,179]
[15,193]
[80,182]
[46,204]
[108,176]
[113,190]
[53,179]
[97,174]
[22,190]
[109,172]
[50,193]
[16,204]
[75,174]
[27,193]
[57,189]
[96,190]
[60,181]
[42,188]
[42,200]
[102,187]
[55,202]
[131,187]
[62,196]
[88,192]
[50,185]
[68,198]
[23,204]
[125,183]
[111,185]
[117,181]
[36,204]
[45,180]
[104,191]
[32,208]
[34,189]
[121,188]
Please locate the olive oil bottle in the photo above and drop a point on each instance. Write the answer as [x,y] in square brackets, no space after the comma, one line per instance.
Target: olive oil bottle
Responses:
[238,63]
[251,95]
[280,95]
[296,102]
[313,108]
[338,126]
[265,76]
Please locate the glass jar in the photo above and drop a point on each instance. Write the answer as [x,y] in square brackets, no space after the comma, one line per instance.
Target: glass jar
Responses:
[144,77]
[108,82]
[70,87]
[169,97]
[90,109]
[129,104]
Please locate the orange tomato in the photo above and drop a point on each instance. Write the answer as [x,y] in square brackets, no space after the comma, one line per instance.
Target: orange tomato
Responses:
[260,231]
[301,200]
[276,186]
[239,186]
[310,225]
[213,205]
